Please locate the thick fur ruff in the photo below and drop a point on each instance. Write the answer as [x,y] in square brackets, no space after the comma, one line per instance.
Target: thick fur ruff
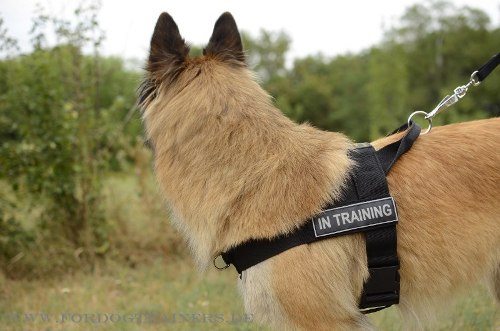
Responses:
[232,167]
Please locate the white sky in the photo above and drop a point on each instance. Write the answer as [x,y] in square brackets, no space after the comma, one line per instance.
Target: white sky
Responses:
[329,27]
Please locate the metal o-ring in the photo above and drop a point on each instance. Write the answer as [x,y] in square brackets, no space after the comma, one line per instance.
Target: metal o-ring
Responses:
[426,116]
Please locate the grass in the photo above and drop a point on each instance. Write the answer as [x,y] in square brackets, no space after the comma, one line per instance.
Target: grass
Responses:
[166,296]
[171,295]
[475,311]
[147,282]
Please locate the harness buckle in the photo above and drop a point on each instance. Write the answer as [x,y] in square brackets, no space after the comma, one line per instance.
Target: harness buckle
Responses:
[382,288]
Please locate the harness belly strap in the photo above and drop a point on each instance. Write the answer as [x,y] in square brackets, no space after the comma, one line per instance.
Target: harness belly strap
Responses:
[365,206]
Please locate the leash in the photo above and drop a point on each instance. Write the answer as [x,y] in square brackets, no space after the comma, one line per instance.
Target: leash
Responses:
[459,92]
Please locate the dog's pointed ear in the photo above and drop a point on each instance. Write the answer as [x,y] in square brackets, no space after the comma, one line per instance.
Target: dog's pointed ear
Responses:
[168,50]
[225,42]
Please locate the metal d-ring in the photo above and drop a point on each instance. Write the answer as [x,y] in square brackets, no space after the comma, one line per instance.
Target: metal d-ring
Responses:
[219,267]
[426,116]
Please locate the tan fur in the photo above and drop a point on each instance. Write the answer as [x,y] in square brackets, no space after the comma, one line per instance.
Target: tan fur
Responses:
[233,167]
[257,152]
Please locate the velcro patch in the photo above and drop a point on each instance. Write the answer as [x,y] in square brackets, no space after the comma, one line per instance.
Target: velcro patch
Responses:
[353,217]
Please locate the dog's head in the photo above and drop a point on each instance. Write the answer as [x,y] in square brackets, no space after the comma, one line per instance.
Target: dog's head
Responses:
[169,61]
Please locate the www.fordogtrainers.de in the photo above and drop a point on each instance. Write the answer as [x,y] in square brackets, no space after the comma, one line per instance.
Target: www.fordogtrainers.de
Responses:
[136,318]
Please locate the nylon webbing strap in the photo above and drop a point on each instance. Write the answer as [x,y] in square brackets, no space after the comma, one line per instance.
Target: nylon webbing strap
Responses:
[381,290]
[488,67]
[391,153]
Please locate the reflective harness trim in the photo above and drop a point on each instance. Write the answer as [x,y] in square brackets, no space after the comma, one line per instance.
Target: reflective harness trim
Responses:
[365,206]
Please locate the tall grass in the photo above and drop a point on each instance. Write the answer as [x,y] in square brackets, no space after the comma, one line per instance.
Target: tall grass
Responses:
[137,228]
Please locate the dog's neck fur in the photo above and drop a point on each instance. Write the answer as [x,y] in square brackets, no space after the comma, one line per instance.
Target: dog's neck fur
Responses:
[231,165]
[224,155]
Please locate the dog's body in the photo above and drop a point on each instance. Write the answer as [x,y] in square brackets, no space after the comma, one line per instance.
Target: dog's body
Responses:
[232,168]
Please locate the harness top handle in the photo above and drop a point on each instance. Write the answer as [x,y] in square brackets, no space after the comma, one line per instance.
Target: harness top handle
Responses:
[389,154]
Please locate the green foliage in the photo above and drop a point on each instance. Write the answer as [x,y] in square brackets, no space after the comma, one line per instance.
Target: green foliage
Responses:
[8,44]
[443,46]
[13,237]
[267,54]
[63,115]
[432,49]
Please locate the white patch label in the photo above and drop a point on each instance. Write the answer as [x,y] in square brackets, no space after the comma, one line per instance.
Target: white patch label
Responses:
[353,217]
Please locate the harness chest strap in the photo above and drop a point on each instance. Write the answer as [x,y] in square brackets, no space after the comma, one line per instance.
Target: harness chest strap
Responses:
[365,206]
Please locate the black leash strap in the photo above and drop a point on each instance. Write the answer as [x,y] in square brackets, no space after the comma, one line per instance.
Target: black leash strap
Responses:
[487,68]
[459,92]
[367,191]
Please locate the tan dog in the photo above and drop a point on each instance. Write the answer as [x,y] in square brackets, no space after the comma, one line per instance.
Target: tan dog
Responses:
[233,167]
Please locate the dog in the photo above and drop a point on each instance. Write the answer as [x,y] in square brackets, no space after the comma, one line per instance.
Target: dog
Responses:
[232,167]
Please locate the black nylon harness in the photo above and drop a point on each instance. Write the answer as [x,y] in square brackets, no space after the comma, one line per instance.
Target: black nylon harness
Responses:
[365,206]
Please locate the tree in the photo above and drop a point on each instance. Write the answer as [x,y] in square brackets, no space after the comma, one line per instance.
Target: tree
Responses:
[267,53]
[442,45]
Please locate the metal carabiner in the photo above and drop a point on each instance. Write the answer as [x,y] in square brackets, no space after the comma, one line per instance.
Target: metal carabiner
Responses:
[458,93]
[445,103]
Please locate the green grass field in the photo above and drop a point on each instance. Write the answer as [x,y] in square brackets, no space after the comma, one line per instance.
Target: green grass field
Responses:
[160,296]
[172,296]
[148,282]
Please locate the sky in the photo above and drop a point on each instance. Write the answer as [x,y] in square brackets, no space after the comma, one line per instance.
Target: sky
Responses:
[327,27]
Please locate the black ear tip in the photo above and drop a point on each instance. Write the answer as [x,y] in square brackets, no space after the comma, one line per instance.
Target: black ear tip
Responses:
[164,19]
[226,18]
[225,41]
[164,15]
[227,14]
